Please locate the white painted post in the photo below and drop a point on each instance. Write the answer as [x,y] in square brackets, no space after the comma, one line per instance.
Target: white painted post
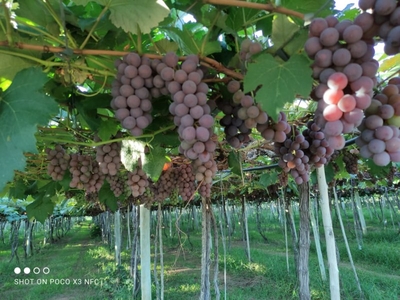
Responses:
[117,236]
[145,270]
[329,235]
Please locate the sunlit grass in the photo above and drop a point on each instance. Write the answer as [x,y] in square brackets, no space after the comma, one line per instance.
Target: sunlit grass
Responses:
[264,277]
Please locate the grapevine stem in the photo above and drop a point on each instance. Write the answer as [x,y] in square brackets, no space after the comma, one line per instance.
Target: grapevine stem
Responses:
[267,7]
[8,22]
[59,22]
[105,9]
[253,21]
[40,31]
[203,45]
[220,68]
[96,93]
[211,62]
[94,144]
[2,27]
[155,45]
[139,40]
[42,62]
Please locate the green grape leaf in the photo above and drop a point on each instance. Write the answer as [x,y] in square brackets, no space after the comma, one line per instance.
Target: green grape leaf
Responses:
[281,82]
[282,31]
[22,107]
[268,179]
[37,12]
[135,16]
[164,46]
[296,44]
[107,197]
[265,25]
[235,163]
[342,173]
[88,117]
[309,6]
[43,206]
[189,44]
[66,180]
[378,171]
[11,65]
[329,173]
[40,209]
[17,191]
[240,17]
[154,161]
[101,101]
[107,129]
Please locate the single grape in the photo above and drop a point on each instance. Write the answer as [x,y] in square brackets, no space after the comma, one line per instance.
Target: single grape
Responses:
[332,113]
[337,81]
[352,34]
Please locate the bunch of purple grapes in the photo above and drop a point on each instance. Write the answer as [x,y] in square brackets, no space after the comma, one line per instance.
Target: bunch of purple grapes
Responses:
[58,162]
[341,46]
[343,63]
[248,48]
[109,159]
[303,150]
[292,158]
[204,175]
[341,112]
[191,111]
[117,184]
[132,92]
[380,135]
[275,132]
[166,183]
[383,22]
[242,114]
[137,181]
[85,173]
[236,132]
[319,151]
[350,160]
[186,181]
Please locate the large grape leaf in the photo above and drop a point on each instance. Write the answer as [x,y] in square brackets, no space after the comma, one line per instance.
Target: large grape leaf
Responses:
[40,209]
[282,31]
[154,161]
[234,161]
[107,197]
[22,107]
[240,17]
[134,15]
[11,65]
[37,12]
[268,179]
[317,7]
[44,203]
[281,82]
[189,44]
[107,129]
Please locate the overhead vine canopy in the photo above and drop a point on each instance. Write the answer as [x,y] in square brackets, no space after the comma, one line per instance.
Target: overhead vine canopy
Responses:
[100,95]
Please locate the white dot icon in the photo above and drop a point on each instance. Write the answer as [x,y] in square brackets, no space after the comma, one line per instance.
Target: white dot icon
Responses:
[27,270]
[17,270]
